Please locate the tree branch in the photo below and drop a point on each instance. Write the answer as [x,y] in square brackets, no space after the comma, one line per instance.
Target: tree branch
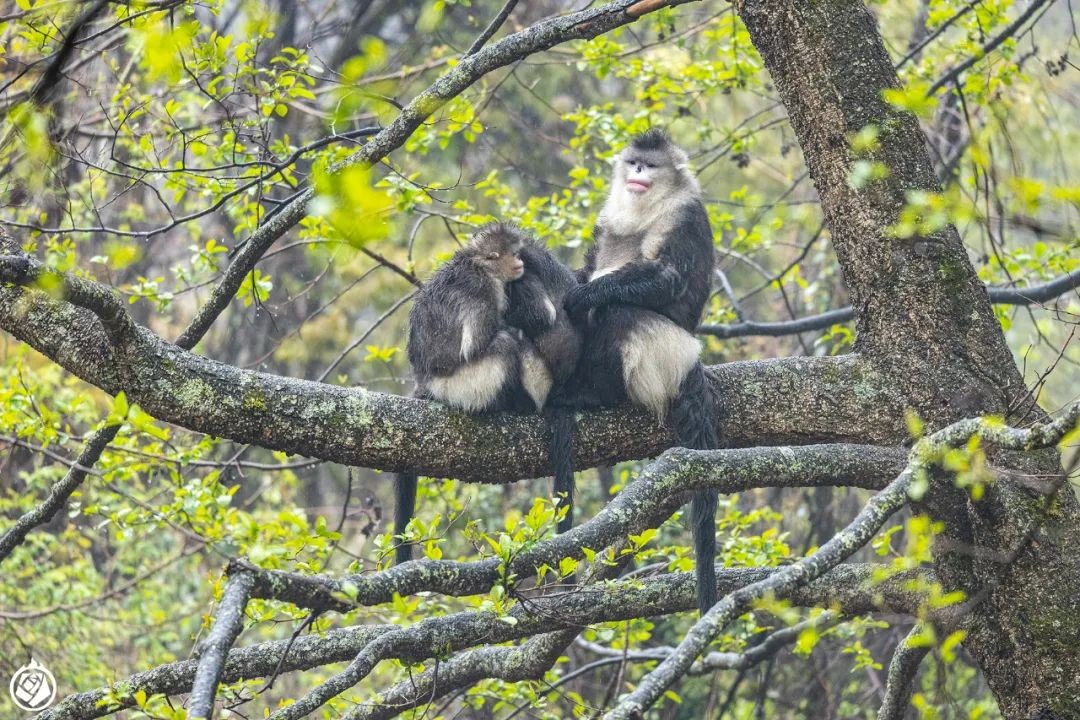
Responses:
[999,296]
[988,48]
[902,669]
[492,27]
[853,589]
[792,400]
[215,650]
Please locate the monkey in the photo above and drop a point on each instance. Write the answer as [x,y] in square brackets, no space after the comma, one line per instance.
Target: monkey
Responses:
[488,333]
[644,285]
[536,307]
[460,348]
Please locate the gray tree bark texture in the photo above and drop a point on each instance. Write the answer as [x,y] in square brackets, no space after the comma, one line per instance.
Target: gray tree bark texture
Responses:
[924,321]
[927,340]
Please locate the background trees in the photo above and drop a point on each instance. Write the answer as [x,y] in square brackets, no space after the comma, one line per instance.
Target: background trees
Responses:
[268,186]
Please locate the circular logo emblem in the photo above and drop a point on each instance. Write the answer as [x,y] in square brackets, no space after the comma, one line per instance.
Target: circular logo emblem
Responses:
[33,687]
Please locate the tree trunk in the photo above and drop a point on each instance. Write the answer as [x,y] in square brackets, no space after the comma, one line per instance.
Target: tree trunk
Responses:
[924,320]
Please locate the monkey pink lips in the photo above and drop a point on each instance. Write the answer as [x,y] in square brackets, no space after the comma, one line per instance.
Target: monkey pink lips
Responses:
[637,186]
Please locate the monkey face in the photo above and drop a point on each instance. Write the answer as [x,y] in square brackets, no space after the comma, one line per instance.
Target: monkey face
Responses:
[506,265]
[496,249]
[640,171]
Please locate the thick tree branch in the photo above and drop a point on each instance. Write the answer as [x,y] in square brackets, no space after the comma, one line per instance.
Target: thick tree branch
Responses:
[794,400]
[25,270]
[902,670]
[852,589]
[660,490]
[215,649]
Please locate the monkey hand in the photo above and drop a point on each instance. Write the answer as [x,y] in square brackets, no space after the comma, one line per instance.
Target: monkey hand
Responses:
[579,301]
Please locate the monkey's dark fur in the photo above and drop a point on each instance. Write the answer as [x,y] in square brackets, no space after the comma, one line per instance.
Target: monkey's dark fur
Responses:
[488,333]
[461,350]
[536,307]
[644,286]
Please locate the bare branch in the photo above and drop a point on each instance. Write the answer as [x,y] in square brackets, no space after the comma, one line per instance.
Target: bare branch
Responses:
[837,549]
[227,626]
[492,27]
[59,492]
[853,589]
[905,664]
[1000,296]
[988,48]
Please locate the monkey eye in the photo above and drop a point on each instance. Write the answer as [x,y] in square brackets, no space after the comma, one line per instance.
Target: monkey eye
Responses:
[651,166]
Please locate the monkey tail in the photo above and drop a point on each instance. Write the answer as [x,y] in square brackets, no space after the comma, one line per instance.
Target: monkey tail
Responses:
[561,422]
[404,507]
[693,417]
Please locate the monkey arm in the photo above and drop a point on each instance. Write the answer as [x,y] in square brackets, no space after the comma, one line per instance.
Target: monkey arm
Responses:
[582,275]
[530,307]
[653,284]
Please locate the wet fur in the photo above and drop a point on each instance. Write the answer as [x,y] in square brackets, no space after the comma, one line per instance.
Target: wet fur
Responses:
[461,350]
[536,308]
[646,281]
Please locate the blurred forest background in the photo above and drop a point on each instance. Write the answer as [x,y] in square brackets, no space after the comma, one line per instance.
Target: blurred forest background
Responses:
[175,128]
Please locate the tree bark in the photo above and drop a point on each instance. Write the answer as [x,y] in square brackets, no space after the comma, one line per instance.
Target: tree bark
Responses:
[766,402]
[924,321]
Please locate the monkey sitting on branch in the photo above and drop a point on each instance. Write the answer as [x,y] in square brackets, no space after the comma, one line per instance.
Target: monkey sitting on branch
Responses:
[488,333]
[644,285]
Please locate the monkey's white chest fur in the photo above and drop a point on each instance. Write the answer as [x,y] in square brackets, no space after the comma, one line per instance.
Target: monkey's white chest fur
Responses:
[658,354]
[633,229]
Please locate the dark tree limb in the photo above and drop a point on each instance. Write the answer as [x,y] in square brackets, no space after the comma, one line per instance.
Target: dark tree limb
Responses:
[902,670]
[215,649]
[1034,294]
[853,589]
[838,548]
[791,400]
[1010,30]
[662,488]
[59,492]
[493,27]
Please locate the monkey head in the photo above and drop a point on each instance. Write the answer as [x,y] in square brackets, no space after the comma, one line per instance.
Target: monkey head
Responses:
[651,163]
[496,249]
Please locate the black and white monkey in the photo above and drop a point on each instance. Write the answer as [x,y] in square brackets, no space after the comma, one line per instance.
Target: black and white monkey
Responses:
[488,333]
[644,285]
